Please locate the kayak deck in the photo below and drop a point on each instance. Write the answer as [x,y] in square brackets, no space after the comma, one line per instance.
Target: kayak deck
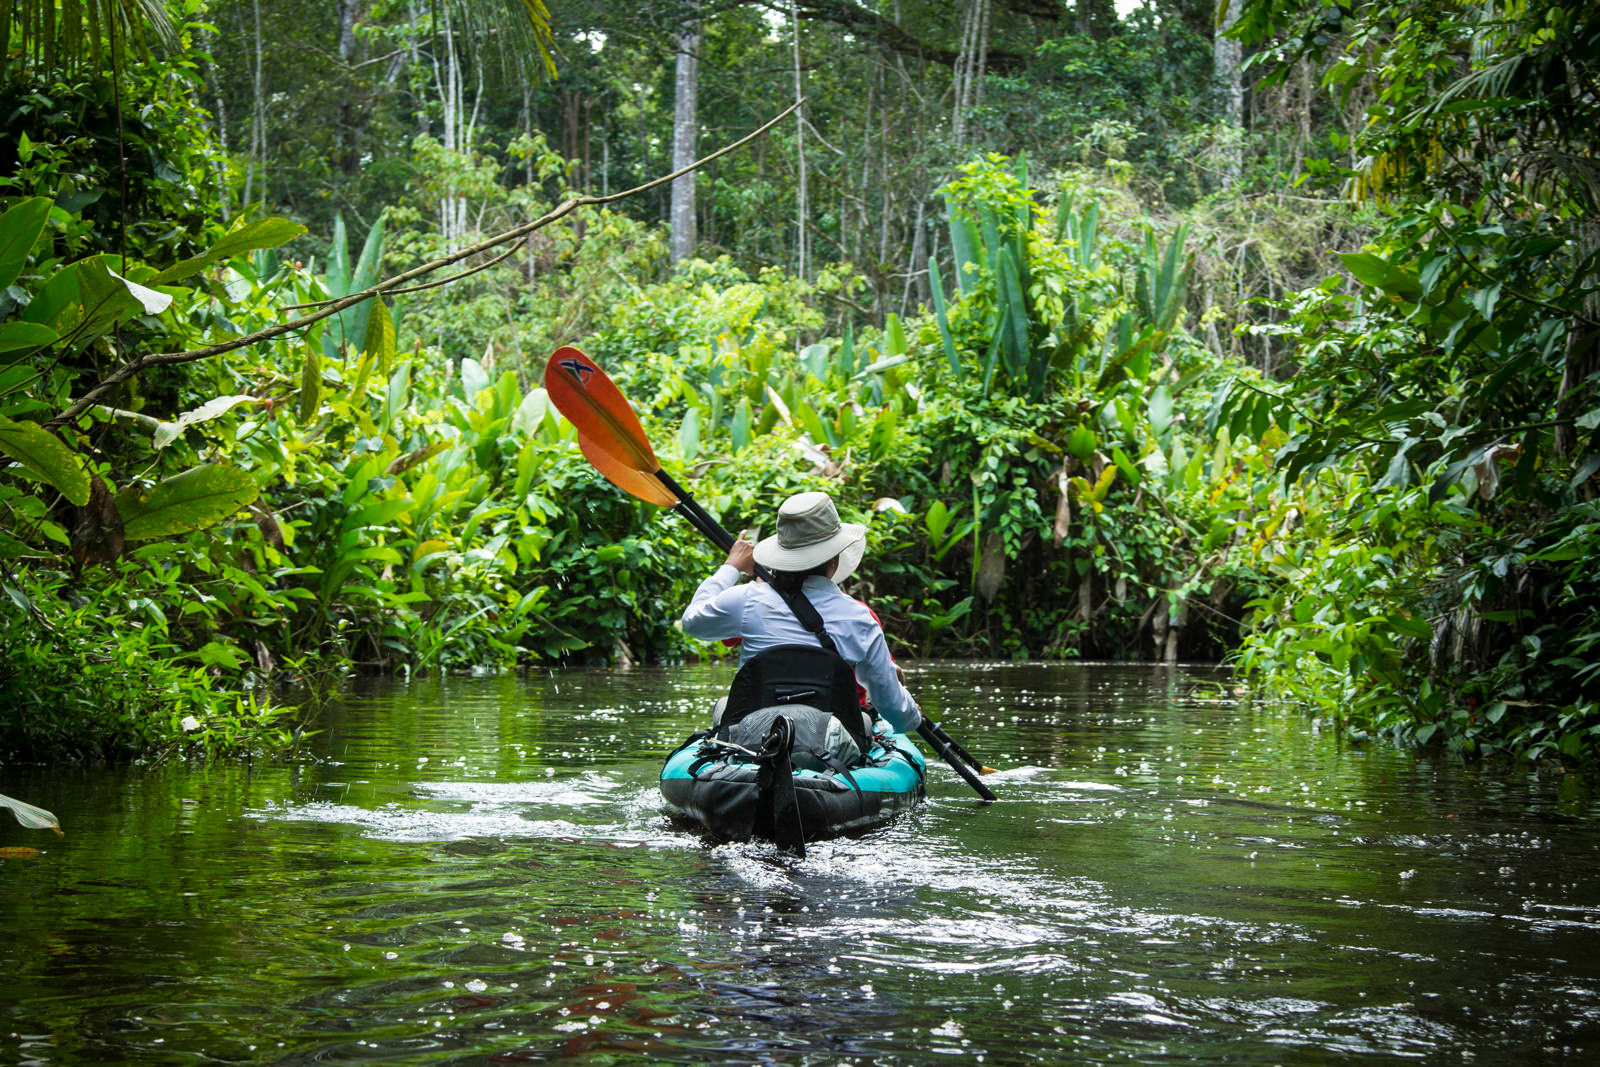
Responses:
[718,791]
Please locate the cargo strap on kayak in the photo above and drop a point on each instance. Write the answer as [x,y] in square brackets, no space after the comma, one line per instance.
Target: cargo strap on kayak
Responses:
[777,807]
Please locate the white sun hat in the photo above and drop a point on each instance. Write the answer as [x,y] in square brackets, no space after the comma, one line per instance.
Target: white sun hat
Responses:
[809,535]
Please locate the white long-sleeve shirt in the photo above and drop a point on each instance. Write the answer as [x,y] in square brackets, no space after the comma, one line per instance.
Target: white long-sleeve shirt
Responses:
[722,609]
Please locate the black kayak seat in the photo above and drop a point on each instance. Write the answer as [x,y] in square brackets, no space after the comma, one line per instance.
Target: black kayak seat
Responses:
[801,675]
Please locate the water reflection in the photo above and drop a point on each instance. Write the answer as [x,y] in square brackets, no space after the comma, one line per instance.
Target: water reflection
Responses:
[481,872]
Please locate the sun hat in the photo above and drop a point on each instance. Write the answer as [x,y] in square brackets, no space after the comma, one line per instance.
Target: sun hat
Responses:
[809,535]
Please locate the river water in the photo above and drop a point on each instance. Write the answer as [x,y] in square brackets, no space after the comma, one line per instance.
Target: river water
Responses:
[479,871]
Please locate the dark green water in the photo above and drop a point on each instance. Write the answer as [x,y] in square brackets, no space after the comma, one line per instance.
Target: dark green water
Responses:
[479,871]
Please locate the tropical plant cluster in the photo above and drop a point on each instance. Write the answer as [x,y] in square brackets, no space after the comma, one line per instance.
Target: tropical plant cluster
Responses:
[1094,397]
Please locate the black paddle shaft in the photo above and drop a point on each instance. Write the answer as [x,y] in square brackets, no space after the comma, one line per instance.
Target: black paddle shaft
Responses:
[930,732]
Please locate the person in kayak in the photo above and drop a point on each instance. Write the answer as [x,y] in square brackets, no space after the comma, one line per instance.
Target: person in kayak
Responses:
[812,552]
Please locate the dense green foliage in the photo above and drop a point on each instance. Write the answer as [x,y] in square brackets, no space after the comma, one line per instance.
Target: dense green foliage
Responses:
[1093,395]
[1445,408]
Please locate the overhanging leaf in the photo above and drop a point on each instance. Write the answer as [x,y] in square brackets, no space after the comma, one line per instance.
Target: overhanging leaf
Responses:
[193,500]
[31,817]
[263,233]
[43,453]
[153,302]
[169,432]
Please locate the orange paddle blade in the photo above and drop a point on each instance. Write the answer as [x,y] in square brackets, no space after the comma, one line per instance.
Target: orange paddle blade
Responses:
[581,391]
[625,477]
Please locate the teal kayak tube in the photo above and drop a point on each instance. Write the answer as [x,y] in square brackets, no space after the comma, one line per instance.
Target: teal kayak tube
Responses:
[716,789]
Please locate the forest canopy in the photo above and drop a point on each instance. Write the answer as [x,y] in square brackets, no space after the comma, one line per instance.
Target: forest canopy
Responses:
[1264,333]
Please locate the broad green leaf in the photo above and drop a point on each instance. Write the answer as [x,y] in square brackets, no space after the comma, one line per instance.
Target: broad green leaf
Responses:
[894,337]
[379,342]
[1126,466]
[364,277]
[263,233]
[153,302]
[1160,410]
[55,304]
[337,276]
[398,394]
[740,429]
[814,358]
[474,379]
[43,453]
[193,500]
[1367,268]
[24,337]
[357,391]
[881,439]
[20,228]
[525,469]
[689,434]
[942,318]
[169,432]
[1177,464]
[378,513]
[1081,443]
[530,414]
[820,431]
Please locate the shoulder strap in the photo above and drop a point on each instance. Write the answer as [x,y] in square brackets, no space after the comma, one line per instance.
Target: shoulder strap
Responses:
[808,615]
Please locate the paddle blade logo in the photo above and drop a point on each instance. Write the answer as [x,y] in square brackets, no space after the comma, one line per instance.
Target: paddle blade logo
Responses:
[579,369]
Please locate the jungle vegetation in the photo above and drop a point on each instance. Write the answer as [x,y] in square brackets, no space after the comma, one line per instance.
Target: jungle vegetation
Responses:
[1264,333]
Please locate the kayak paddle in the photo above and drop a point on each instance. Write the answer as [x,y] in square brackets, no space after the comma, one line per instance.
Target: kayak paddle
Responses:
[611,437]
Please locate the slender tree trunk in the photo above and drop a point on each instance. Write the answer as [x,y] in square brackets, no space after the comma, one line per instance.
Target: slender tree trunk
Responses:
[214,84]
[802,207]
[351,112]
[1228,72]
[970,68]
[258,120]
[685,127]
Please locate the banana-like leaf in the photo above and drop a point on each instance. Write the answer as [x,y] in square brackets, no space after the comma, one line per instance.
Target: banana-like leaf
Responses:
[43,453]
[942,318]
[894,337]
[689,435]
[193,500]
[31,817]
[352,326]
[740,428]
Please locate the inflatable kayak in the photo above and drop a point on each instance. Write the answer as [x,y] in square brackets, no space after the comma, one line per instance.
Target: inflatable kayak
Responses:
[731,793]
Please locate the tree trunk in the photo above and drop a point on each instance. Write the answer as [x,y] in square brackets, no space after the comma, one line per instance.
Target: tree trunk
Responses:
[1227,57]
[970,68]
[348,154]
[802,208]
[258,120]
[685,126]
